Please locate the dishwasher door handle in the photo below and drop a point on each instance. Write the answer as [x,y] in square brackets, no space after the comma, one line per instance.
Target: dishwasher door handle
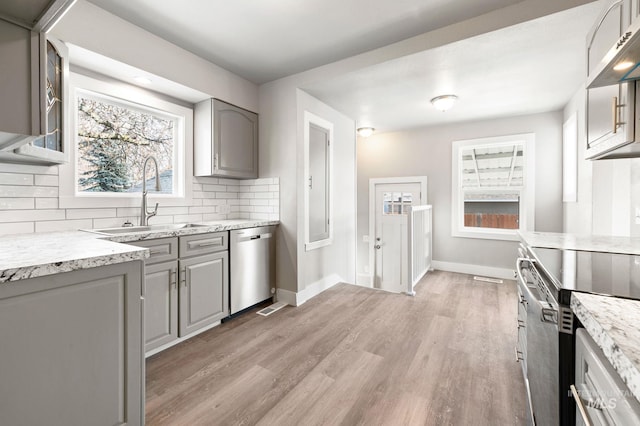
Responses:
[254,237]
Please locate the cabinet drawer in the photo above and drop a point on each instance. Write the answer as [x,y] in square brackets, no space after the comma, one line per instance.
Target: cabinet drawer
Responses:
[161,249]
[204,243]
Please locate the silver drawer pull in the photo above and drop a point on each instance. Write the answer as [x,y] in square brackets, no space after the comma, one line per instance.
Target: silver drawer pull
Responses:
[583,411]
[518,355]
[159,251]
[206,243]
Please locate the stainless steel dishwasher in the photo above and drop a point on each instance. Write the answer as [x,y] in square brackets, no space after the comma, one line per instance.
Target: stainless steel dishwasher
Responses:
[252,274]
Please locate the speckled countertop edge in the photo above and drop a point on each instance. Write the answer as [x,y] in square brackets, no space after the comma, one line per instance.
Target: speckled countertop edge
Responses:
[34,255]
[600,243]
[614,324]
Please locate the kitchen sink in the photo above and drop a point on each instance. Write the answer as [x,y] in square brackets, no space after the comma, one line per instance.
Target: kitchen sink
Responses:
[148,228]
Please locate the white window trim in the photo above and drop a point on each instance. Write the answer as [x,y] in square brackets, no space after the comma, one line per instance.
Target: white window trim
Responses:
[308,119]
[68,195]
[527,201]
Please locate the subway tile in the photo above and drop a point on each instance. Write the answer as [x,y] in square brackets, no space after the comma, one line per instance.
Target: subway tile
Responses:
[259,202]
[229,181]
[196,201]
[21,168]
[262,209]
[128,211]
[274,202]
[16,203]
[263,195]
[259,216]
[213,216]
[9,191]
[46,203]
[90,213]
[197,194]
[30,215]
[169,210]
[226,195]
[246,195]
[16,179]
[158,220]
[262,181]
[46,180]
[213,202]
[236,215]
[233,188]
[196,187]
[214,188]
[247,209]
[259,188]
[16,228]
[63,225]
[275,180]
[187,218]
[207,209]
[274,188]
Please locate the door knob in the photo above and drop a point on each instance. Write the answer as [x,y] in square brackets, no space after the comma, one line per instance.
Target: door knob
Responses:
[378,246]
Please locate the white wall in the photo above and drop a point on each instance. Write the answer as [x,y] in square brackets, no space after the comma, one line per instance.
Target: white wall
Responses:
[608,190]
[427,151]
[282,107]
[95,29]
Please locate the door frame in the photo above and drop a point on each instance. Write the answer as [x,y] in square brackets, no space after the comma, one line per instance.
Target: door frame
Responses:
[422,180]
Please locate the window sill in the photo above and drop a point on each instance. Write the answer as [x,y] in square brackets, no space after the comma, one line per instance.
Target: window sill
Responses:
[494,234]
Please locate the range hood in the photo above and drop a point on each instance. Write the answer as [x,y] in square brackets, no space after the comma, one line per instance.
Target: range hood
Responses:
[622,61]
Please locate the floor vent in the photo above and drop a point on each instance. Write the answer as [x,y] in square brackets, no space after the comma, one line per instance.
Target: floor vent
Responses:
[489,280]
[271,309]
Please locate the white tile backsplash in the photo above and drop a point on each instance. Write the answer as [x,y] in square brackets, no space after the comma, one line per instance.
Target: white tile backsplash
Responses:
[29,203]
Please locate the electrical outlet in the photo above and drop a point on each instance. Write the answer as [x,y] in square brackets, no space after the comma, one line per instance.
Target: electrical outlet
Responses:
[637,215]
[224,208]
[365,238]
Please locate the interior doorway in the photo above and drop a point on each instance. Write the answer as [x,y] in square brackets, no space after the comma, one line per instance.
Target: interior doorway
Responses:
[389,199]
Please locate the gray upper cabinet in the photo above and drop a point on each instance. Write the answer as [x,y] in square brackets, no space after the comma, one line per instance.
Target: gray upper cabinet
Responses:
[33,87]
[610,109]
[72,348]
[225,140]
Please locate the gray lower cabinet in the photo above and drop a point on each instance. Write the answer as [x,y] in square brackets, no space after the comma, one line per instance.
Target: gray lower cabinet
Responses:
[71,348]
[161,304]
[186,286]
[203,291]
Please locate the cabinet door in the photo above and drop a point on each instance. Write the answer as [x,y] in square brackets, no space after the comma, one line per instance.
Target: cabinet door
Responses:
[161,304]
[71,348]
[204,284]
[235,141]
[610,111]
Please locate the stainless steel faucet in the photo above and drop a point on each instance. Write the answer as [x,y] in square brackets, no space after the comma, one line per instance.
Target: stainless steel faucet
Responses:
[145,214]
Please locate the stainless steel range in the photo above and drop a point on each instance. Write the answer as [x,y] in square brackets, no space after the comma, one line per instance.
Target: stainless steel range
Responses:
[546,325]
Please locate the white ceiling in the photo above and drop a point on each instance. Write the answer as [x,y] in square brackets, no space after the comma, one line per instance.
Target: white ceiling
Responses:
[527,68]
[268,39]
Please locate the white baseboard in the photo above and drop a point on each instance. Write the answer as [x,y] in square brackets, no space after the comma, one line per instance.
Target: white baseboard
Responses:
[363,280]
[464,268]
[312,290]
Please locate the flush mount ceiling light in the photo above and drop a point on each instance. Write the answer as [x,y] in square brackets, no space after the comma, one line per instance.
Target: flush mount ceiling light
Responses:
[365,132]
[444,102]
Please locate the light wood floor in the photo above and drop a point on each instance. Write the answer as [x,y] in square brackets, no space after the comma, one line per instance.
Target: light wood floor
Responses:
[352,356]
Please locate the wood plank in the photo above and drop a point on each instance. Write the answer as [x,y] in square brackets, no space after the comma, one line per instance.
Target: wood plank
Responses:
[352,356]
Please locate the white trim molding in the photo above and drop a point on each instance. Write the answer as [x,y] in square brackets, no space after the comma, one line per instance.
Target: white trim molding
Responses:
[464,268]
[309,292]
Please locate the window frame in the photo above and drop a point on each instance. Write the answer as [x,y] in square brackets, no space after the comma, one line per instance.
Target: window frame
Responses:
[137,98]
[527,192]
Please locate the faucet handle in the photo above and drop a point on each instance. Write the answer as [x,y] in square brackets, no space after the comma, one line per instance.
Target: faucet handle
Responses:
[154,212]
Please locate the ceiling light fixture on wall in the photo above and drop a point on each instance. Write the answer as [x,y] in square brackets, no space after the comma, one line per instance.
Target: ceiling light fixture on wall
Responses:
[365,132]
[444,102]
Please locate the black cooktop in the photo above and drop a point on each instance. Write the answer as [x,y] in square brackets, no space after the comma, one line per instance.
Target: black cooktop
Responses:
[592,272]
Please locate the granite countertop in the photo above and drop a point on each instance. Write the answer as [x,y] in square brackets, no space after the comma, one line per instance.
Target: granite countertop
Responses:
[613,323]
[601,243]
[40,254]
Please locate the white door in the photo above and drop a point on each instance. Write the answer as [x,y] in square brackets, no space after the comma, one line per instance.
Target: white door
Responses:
[390,239]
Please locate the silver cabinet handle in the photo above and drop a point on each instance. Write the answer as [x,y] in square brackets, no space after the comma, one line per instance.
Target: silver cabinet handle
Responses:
[583,411]
[518,355]
[378,246]
[206,243]
[615,106]
[172,280]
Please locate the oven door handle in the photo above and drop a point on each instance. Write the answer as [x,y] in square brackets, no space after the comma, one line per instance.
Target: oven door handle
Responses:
[547,312]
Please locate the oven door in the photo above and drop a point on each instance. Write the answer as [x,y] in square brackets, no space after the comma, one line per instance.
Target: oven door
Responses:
[542,346]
